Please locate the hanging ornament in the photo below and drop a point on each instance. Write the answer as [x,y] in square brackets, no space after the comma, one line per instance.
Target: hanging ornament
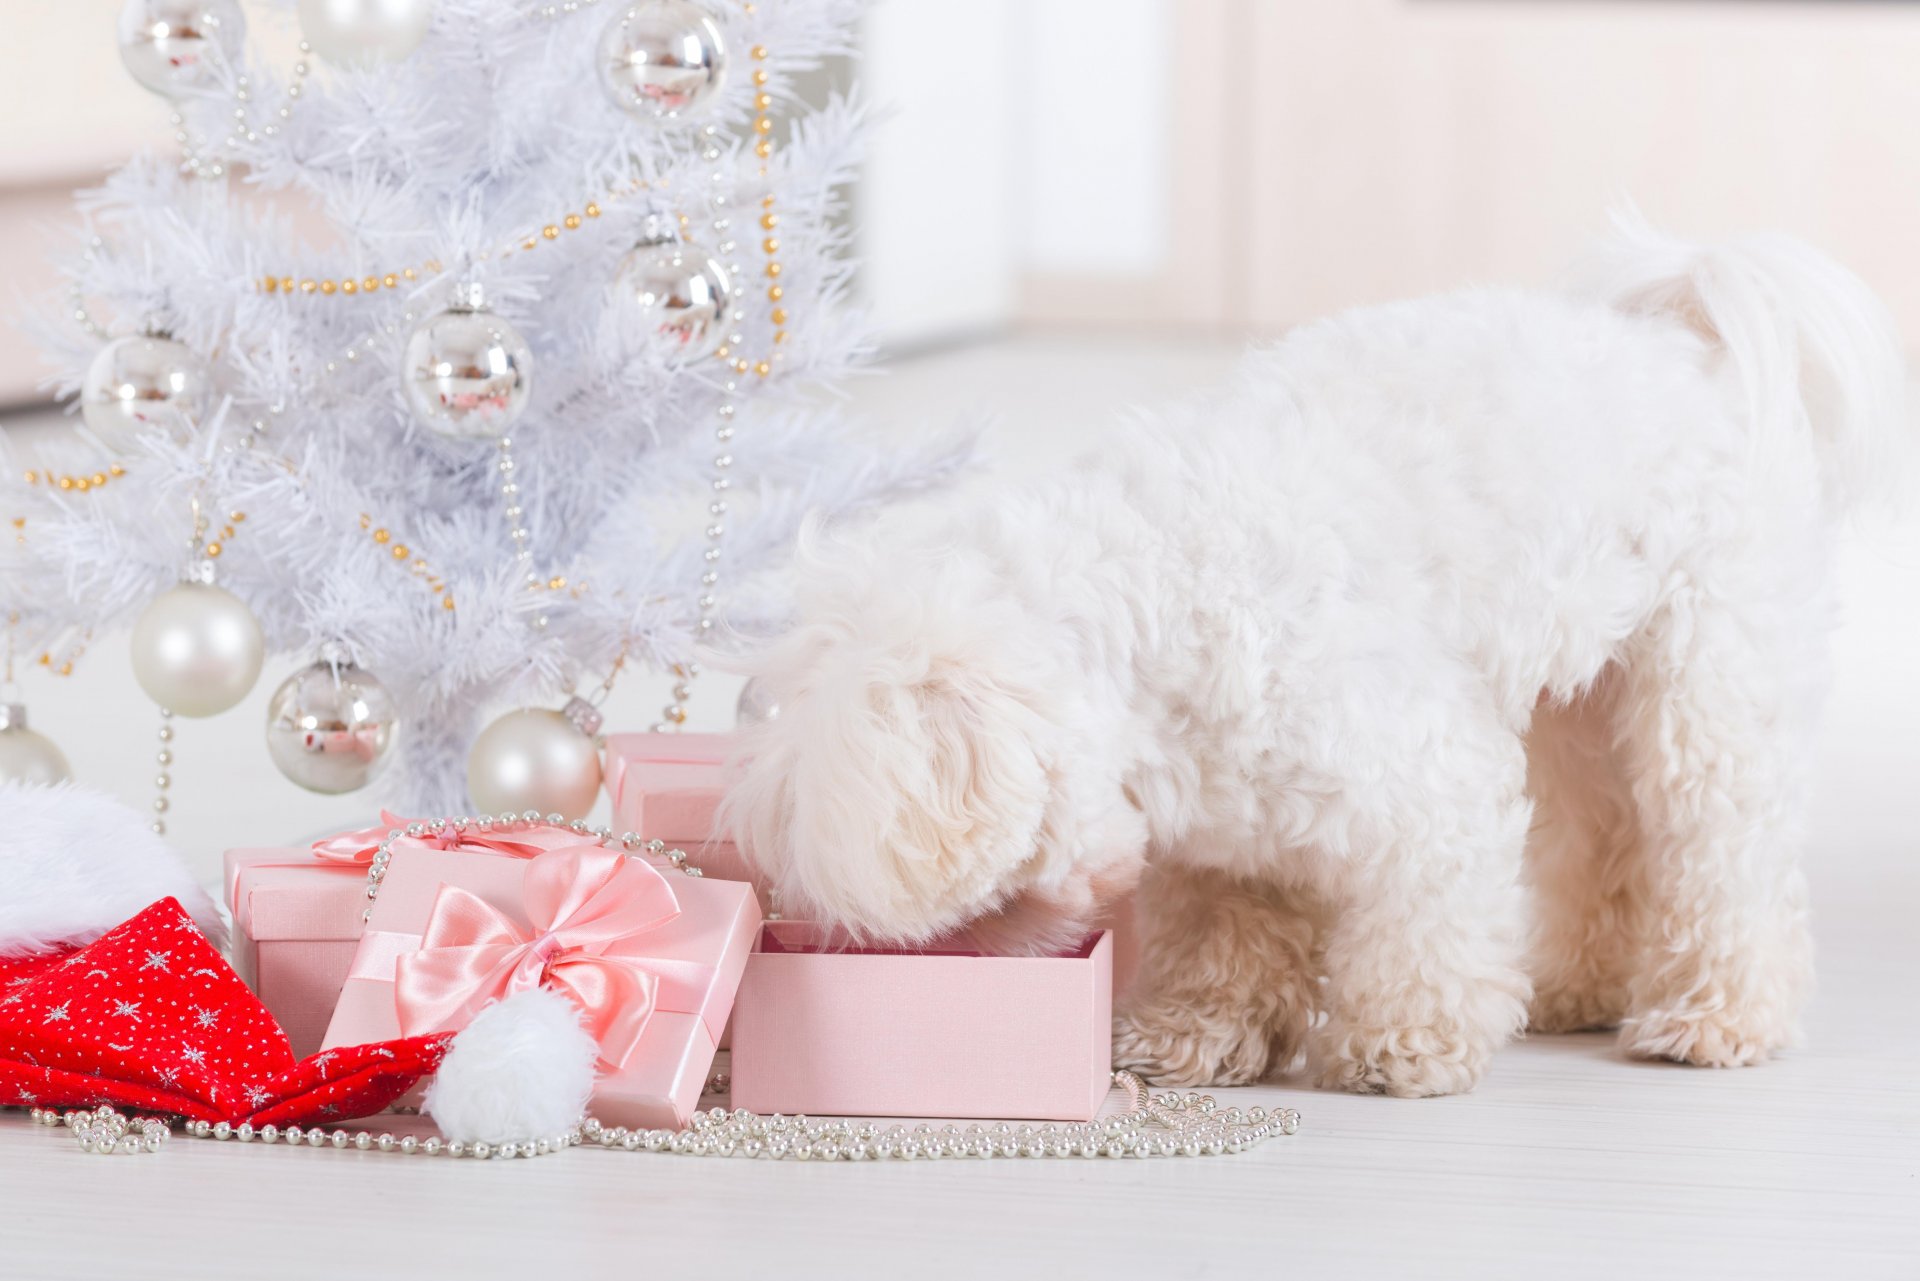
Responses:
[331,727]
[679,289]
[197,649]
[662,57]
[175,47]
[536,759]
[27,756]
[357,33]
[145,383]
[754,706]
[467,372]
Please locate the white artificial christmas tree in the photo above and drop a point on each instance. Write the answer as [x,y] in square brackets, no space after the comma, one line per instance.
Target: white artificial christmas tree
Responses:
[472,356]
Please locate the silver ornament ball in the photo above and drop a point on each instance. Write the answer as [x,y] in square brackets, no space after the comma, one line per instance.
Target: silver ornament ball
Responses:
[754,706]
[145,383]
[468,373]
[331,727]
[661,58]
[175,47]
[27,756]
[197,649]
[680,290]
[536,759]
[358,33]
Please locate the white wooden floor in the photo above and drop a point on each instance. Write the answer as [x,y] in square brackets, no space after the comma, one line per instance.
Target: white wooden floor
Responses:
[1568,1162]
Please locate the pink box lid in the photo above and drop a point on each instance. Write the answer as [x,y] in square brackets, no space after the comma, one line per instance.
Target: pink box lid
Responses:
[660,1086]
[284,892]
[668,786]
[825,1027]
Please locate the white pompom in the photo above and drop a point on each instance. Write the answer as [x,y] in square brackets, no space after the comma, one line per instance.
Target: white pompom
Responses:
[523,1069]
[76,863]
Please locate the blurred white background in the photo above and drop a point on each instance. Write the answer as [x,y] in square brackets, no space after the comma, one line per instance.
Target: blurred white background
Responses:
[1074,206]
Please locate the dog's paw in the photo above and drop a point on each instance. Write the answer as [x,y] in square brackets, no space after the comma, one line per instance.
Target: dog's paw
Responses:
[1170,1045]
[1716,1039]
[1408,1063]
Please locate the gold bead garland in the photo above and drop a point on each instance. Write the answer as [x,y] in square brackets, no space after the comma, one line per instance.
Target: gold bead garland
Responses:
[769,222]
[402,554]
[351,286]
[75,483]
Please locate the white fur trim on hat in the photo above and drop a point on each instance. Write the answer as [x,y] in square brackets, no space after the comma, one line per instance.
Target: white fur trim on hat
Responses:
[74,863]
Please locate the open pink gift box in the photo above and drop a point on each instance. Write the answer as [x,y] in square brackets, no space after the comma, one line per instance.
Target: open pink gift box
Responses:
[825,1028]
[669,787]
[448,924]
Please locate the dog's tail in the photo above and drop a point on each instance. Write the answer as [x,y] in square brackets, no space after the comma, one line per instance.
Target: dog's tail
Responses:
[1808,344]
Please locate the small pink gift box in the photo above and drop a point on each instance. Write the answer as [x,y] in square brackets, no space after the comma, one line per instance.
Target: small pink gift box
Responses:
[826,1028]
[652,956]
[296,923]
[668,787]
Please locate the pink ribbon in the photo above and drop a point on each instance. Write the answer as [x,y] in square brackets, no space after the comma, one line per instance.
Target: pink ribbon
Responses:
[580,902]
[358,847]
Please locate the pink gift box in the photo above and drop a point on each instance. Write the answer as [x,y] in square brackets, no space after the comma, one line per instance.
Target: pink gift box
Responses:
[826,1028]
[296,923]
[668,787]
[697,957]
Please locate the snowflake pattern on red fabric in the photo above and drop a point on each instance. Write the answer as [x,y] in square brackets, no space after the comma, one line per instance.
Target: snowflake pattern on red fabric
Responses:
[150,1017]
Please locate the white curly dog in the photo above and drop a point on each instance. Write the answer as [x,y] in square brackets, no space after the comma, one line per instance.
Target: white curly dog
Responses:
[1450,671]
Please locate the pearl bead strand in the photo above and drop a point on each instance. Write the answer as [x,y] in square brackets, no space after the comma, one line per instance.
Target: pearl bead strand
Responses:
[1152,1126]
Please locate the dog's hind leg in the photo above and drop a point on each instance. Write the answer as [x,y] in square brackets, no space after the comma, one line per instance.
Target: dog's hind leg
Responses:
[1715,714]
[1585,864]
[1228,979]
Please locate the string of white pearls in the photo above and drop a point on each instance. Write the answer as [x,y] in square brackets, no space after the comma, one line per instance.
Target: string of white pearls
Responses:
[720,480]
[630,842]
[106,1132]
[163,781]
[204,162]
[1160,1125]
[564,10]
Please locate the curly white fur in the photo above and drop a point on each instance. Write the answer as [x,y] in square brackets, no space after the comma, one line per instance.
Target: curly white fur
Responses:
[523,1069]
[76,863]
[1290,647]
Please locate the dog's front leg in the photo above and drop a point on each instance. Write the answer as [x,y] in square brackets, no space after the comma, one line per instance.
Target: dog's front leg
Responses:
[1227,979]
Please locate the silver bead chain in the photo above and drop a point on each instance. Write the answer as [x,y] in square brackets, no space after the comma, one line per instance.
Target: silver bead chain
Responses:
[566,9]
[163,780]
[720,481]
[194,154]
[630,842]
[1152,1125]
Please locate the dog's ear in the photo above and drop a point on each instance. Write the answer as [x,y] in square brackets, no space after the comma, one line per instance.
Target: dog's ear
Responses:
[898,799]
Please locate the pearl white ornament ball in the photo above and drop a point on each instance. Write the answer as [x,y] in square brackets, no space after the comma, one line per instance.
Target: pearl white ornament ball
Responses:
[534,759]
[174,47]
[358,32]
[27,756]
[755,705]
[331,727]
[197,649]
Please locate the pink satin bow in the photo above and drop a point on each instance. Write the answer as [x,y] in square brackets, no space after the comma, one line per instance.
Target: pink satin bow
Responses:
[358,847]
[580,902]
